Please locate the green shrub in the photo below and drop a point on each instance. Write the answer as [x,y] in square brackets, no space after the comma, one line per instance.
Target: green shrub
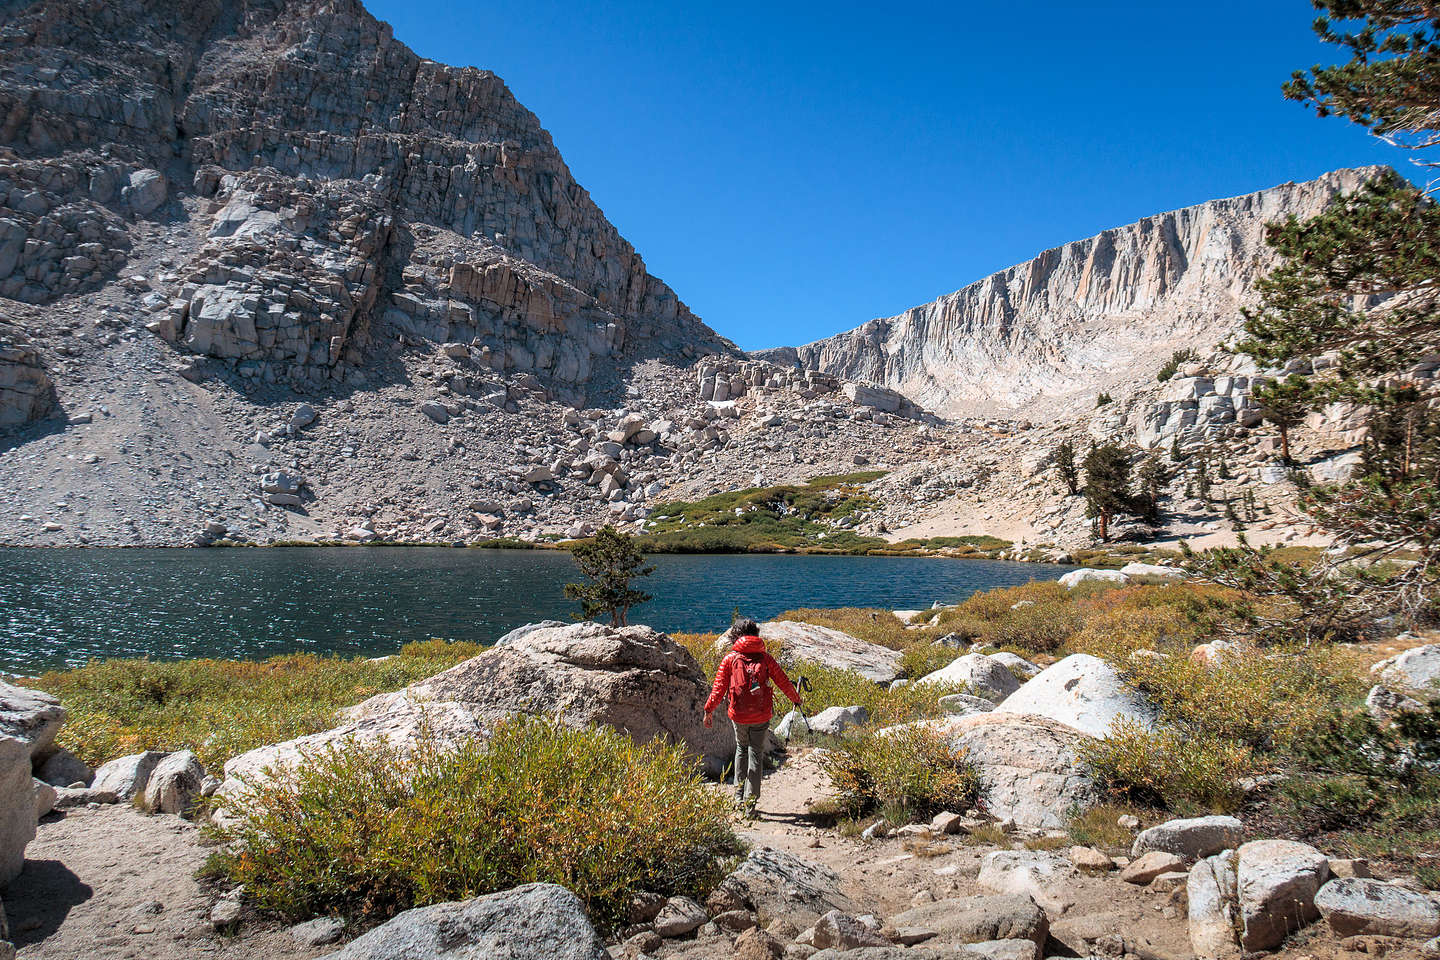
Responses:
[1353,773]
[1167,768]
[1172,365]
[221,708]
[911,769]
[367,831]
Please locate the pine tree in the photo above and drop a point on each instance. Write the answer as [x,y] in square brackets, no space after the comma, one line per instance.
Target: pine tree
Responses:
[610,560]
[1361,280]
[1285,403]
[1153,478]
[1065,466]
[1202,478]
[1177,453]
[1107,486]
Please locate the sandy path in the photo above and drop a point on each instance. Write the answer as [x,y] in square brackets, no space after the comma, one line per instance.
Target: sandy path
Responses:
[114,882]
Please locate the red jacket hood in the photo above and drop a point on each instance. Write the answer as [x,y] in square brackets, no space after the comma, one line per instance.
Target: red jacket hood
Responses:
[750,645]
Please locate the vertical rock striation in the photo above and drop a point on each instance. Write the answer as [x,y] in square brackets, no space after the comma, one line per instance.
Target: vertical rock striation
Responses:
[1080,317]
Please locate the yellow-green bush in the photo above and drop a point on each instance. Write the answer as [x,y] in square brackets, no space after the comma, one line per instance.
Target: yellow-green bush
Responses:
[221,708]
[912,769]
[1187,773]
[366,831]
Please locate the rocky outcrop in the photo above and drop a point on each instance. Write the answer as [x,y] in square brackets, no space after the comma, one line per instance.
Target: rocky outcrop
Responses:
[1081,317]
[17,807]
[633,679]
[341,182]
[1029,767]
[536,920]
[26,392]
[1083,692]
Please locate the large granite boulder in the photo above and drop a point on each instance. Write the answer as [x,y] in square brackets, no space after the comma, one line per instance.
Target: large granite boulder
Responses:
[32,717]
[127,777]
[1416,672]
[808,643]
[1357,906]
[776,883]
[985,676]
[1083,692]
[634,679]
[175,784]
[17,806]
[1029,767]
[536,920]
[1277,881]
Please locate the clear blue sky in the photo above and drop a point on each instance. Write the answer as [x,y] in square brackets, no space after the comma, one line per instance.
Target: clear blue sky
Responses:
[795,169]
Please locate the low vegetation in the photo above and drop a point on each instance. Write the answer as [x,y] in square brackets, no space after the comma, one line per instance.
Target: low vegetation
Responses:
[221,708]
[365,832]
[812,516]
[902,774]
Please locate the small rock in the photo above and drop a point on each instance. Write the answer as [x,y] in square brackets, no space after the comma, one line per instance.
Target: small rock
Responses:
[842,931]
[1191,838]
[680,916]
[1146,868]
[318,932]
[756,944]
[1088,858]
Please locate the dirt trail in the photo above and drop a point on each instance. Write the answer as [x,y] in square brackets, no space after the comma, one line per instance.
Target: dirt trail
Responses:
[113,882]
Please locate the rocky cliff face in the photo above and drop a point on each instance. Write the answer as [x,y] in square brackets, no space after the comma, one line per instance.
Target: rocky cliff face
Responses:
[1078,319]
[336,189]
[26,392]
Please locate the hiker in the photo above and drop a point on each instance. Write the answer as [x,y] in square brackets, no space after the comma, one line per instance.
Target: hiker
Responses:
[744,676]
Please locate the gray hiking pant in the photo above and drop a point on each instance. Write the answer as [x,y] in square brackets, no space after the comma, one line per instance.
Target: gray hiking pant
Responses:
[749,757]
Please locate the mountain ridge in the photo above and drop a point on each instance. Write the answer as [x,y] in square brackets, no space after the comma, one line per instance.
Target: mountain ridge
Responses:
[1052,328]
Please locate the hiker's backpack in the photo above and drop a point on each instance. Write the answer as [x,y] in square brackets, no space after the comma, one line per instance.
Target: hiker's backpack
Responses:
[749,685]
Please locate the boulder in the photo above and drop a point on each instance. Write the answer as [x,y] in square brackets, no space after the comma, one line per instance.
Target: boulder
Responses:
[1142,870]
[1074,578]
[1213,911]
[1083,692]
[834,721]
[984,676]
[1354,906]
[66,798]
[1016,664]
[318,932]
[1152,570]
[146,191]
[63,769]
[977,919]
[17,806]
[1029,768]
[174,784]
[844,932]
[1276,881]
[126,777]
[807,643]
[32,717]
[1191,838]
[775,883]
[1415,672]
[45,797]
[1047,878]
[962,704]
[536,920]
[679,916]
[634,679]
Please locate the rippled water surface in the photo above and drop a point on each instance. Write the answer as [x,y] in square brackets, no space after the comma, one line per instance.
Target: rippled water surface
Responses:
[63,607]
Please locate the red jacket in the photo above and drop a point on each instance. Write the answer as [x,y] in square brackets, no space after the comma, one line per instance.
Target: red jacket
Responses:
[750,647]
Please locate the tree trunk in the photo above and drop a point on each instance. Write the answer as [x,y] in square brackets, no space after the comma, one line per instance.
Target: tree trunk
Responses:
[1104,525]
[1284,443]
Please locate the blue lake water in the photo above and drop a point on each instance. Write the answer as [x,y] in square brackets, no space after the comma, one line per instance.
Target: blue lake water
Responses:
[63,607]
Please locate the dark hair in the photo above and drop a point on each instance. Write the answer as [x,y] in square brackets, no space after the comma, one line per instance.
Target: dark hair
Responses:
[746,628]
